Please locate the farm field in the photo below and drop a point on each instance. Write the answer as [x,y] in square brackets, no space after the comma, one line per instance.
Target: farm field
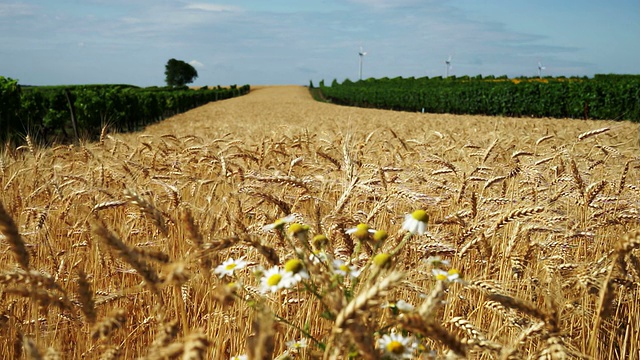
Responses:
[112,249]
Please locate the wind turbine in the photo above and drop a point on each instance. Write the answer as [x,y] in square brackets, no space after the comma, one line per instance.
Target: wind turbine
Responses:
[540,68]
[362,53]
[448,67]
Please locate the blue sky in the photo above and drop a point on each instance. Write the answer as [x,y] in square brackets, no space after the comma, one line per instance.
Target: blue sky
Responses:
[47,42]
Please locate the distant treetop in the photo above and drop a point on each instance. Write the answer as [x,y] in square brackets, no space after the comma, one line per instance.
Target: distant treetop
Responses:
[179,73]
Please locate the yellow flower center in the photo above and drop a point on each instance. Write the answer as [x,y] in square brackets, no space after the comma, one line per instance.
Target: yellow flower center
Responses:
[395,347]
[420,215]
[294,266]
[441,277]
[320,241]
[345,268]
[274,279]
[279,224]
[232,286]
[380,235]
[296,228]
[362,231]
[453,272]
[231,266]
[382,259]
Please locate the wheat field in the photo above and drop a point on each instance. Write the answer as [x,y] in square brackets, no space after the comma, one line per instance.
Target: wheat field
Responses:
[113,249]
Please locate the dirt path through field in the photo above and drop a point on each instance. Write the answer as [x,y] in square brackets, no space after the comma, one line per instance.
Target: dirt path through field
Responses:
[273,111]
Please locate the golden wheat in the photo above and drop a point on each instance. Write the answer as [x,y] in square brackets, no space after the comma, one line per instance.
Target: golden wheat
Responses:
[539,219]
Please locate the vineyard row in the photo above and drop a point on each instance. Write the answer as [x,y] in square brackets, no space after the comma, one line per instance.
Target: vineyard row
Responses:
[611,97]
[47,113]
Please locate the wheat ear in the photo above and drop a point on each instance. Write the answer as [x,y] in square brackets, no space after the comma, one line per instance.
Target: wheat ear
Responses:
[195,346]
[591,133]
[112,353]
[105,328]
[146,208]
[261,345]
[10,231]
[366,299]
[30,349]
[431,329]
[142,268]
[87,304]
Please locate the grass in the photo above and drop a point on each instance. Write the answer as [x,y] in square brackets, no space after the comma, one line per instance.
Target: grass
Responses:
[109,248]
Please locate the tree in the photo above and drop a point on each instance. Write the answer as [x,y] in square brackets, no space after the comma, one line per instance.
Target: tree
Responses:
[179,73]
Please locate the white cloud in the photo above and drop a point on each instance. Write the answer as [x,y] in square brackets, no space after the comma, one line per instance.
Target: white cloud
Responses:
[212,7]
[196,63]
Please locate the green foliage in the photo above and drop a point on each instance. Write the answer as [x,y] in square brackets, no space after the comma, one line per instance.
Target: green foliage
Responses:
[9,105]
[179,73]
[44,113]
[613,97]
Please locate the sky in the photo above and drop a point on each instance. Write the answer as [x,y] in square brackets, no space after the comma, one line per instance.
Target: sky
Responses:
[261,42]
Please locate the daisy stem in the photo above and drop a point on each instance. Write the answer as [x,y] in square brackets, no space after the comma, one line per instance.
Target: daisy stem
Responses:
[303,331]
[305,244]
[375,274]
[402,243]
[356,250]
[304,241]
[321,261]
[313,291]
[281,236]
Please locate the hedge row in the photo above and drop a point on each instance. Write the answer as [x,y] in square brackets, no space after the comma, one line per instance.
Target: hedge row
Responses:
[46,112]
[612,97]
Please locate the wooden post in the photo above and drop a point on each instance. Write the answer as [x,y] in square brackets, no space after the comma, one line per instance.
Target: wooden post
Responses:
[72,110]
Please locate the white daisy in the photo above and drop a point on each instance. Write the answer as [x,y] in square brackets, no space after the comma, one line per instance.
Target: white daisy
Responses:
[361,231]
[397,347]
[279,224]
[341,268]
[296,345]
[400,305]
[229,266]
[416,222]
[296,269]
[275,279]
[450,276]
[404,306]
